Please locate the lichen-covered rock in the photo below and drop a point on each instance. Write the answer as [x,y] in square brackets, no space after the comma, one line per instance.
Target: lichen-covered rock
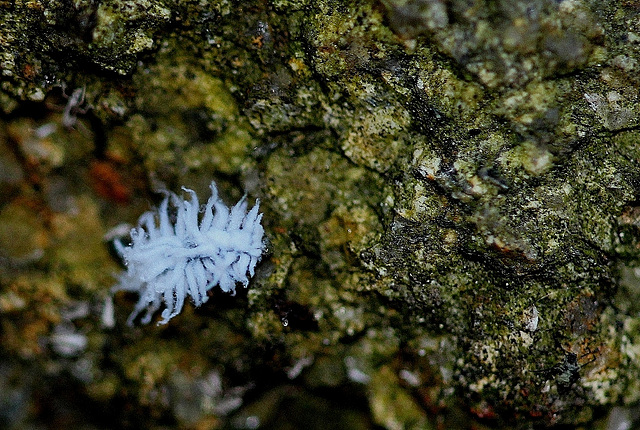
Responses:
[449,191]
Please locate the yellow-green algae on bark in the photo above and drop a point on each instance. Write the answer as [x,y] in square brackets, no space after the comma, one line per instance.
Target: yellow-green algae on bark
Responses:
[450,193]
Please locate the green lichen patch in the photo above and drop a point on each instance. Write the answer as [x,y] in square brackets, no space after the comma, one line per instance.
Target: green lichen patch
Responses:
[503,44]
[191,122]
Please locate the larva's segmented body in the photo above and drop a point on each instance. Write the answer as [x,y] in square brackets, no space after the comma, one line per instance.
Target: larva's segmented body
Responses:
[167,262]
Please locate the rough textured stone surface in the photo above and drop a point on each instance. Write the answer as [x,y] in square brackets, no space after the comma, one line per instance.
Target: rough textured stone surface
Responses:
[450,192]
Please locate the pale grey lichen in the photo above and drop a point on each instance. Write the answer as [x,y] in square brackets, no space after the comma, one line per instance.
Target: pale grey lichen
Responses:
[169,259]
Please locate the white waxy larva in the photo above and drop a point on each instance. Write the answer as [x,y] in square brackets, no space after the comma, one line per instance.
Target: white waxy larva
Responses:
[168,261]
